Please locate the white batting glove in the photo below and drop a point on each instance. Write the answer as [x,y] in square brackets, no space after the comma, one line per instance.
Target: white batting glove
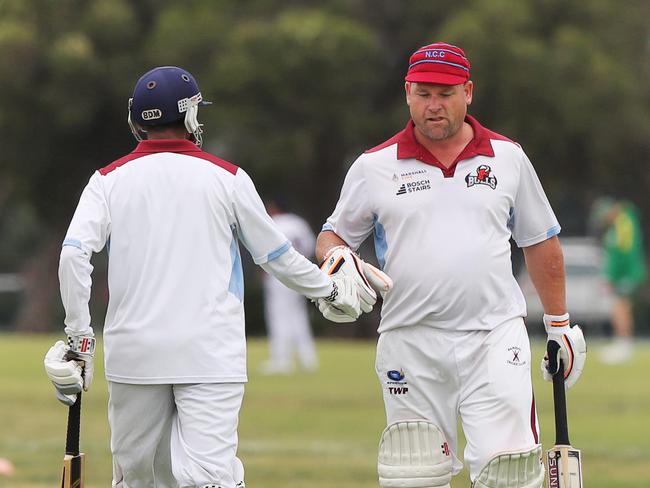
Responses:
[343,304]
[82,348]
[567,343]
[341,261]
[379,281]
[66,375]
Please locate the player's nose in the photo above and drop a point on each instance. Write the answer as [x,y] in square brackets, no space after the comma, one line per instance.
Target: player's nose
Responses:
[434,105]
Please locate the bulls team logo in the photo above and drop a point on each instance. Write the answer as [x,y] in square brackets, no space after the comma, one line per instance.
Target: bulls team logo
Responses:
[483,176]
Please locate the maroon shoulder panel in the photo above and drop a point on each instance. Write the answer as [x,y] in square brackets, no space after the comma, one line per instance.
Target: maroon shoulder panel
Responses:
[222,163]
[120,162]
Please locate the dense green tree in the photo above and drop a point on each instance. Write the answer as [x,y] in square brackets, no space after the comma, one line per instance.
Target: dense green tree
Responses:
[302,87]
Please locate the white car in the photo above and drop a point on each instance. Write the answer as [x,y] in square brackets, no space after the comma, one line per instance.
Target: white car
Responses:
[589,297]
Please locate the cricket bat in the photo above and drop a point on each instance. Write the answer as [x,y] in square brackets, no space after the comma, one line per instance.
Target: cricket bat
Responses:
[73,461]
[563,462]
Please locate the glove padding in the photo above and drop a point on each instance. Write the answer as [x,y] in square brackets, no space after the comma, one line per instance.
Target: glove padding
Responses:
[379,281]
[82,348]
[341,261]
[567,343]
[343,304]
[66,375]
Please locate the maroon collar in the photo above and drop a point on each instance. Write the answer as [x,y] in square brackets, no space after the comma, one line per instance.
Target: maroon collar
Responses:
[169,146]
[166,145]
[408,146]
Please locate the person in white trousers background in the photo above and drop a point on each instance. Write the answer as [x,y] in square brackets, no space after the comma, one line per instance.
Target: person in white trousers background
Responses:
[286,312]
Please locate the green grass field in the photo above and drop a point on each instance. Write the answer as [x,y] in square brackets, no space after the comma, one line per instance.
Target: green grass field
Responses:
[318,430]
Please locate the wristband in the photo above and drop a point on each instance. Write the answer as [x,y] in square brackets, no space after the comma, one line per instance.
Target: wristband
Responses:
[82,345]
[556,324]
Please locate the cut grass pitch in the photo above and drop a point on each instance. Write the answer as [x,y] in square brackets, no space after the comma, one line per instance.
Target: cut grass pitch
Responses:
[318,430]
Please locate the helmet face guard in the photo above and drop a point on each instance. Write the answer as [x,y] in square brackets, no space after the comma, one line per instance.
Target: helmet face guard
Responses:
[165,95]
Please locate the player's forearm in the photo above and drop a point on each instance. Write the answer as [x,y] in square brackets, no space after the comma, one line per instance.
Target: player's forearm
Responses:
[326,241]
[298,273]
[545,264]
[75,283]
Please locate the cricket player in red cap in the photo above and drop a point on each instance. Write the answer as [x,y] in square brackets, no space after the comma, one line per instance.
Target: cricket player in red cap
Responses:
[442,199]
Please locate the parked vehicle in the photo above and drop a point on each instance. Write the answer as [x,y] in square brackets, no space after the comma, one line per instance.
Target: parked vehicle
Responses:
[589,297]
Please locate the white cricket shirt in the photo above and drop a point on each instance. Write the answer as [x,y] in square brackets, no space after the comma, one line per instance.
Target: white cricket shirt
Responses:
[170,215]
[442,234]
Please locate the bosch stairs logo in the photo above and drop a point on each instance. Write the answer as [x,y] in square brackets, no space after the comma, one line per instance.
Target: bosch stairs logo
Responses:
[412,181]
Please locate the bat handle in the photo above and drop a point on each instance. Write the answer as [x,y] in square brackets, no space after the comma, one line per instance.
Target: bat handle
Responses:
[559,399]
[74,424]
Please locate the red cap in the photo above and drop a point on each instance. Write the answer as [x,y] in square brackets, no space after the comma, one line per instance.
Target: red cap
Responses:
[439,63]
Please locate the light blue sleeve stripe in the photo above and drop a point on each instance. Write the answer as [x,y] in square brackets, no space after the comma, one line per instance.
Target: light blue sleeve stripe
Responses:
[439,62]
[278,252]
[236,284]
[73,242]
[511,219]
[553,231]
[381,245]
[327,226]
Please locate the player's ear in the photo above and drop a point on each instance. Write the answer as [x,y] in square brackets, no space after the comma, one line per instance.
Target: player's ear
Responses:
[468,88]
[407,91]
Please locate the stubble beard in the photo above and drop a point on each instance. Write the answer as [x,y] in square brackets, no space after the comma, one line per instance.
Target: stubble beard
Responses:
[441,133]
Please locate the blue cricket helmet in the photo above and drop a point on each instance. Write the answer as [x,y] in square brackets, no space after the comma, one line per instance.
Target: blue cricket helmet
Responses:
[165,95]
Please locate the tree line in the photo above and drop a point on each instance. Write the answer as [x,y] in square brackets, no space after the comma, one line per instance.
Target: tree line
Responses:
[300,88]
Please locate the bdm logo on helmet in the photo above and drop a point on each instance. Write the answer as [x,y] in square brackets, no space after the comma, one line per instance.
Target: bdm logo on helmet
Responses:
[152,114]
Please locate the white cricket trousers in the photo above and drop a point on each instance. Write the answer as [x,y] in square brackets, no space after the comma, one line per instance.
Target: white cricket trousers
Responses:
[171,436]
[481,376]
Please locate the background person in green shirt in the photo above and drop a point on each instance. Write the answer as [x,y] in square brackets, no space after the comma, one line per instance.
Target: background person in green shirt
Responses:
[624,268]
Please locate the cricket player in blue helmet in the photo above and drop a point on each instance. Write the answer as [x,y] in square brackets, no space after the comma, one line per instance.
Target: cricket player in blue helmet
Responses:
[166,96]
[174,339]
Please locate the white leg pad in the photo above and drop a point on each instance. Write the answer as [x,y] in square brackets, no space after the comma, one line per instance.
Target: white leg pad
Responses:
[523,469]
[414,454]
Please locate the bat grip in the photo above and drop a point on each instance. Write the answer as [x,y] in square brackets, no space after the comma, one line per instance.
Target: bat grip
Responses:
[559,399]
[74,424]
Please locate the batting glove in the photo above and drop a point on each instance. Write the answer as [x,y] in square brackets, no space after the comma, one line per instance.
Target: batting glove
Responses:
[82,348]
[341,261]
[343,304]
[379,281]
[566,343]
[66,375]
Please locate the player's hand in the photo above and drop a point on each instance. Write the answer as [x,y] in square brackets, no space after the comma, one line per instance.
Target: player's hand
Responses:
[567,343]
[343,304]
[82,350]
[341,261]
[66,375]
